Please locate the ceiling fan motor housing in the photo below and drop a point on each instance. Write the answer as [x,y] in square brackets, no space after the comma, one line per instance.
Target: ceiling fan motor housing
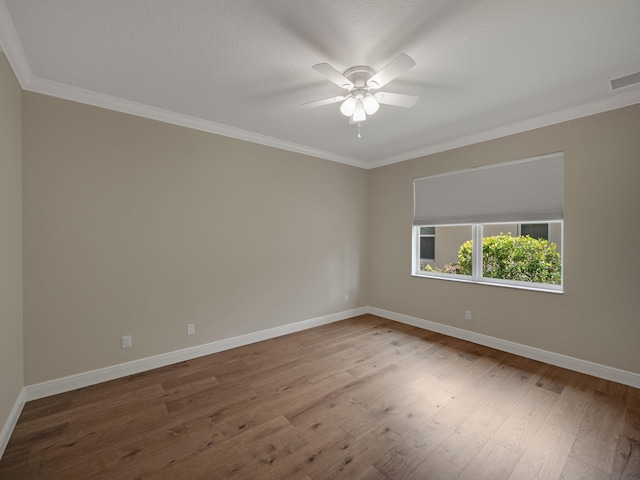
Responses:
[359,76]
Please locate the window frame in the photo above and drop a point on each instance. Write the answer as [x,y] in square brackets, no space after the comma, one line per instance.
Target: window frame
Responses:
[476,277]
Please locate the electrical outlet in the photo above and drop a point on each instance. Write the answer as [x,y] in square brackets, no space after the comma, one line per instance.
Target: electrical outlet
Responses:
[126,341]
[467,314]
[346,298]
[191,329]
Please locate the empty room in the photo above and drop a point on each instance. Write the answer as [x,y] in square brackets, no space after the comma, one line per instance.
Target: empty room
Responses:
[381,240]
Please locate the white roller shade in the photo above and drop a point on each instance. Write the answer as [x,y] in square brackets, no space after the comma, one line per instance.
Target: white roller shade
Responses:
[527,190]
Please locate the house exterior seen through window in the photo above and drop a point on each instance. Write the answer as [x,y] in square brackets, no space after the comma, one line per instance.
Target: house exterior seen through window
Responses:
[427,244]
[534,230]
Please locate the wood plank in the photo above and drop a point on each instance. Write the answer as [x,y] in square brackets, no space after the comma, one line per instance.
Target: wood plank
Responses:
[247,455]
[280,378]
[546,456]
[302,397]
[464,444]
[132,385]
[89,437]
[627,459]
[213,398]
[521,376]
[454,375]
[143,455]
[569,410]
[633,399]
[370,473]
[597,437]
[555,379]
[363,452]
[20,471]
[313,459]
[44,407]
[630,427]
[330,413]
[577,470]
[463,406]
[219,426]
[435,467]
[521,426]
[493,462]
[403,458]
[291,440]
[107,406]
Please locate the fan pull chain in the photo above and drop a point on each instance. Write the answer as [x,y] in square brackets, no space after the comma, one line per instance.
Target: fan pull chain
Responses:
[359,134]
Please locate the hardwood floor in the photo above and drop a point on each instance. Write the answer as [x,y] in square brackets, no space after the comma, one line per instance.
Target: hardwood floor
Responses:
[363,399]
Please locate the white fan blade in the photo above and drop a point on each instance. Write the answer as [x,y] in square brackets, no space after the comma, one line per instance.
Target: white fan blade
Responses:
[397,99]
[326,101]
[394,68]
[333,75]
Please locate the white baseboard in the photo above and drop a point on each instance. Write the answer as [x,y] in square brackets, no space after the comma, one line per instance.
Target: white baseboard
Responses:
[80,380]
[73,382]
[10,424]
[583,366]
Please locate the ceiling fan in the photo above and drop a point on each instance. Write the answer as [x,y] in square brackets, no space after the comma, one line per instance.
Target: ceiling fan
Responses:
[362,83]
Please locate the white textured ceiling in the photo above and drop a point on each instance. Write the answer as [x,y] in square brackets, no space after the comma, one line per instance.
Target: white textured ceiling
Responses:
[242,68]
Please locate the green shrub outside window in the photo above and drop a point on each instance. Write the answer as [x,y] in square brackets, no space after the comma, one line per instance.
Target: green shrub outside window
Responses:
[521,258]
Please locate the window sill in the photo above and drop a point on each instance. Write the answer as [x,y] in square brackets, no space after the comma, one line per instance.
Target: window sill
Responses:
[559,289]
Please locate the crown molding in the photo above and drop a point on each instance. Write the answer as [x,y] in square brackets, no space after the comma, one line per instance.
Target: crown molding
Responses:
[620,100]
[12,48]
[11,45]
[67,92]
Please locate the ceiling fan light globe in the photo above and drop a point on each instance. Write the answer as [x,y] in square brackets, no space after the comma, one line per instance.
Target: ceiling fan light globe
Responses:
[359,114]
[348,107]
[370,104]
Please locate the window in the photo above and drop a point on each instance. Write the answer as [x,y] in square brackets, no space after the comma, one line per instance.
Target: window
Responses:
[500,224]
[504,258]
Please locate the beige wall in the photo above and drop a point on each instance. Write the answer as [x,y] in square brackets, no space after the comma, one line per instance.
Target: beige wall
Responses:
[135,227]
[597,317]
[11,358]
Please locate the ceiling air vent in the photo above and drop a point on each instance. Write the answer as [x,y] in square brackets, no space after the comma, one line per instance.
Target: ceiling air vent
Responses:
[625,81]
